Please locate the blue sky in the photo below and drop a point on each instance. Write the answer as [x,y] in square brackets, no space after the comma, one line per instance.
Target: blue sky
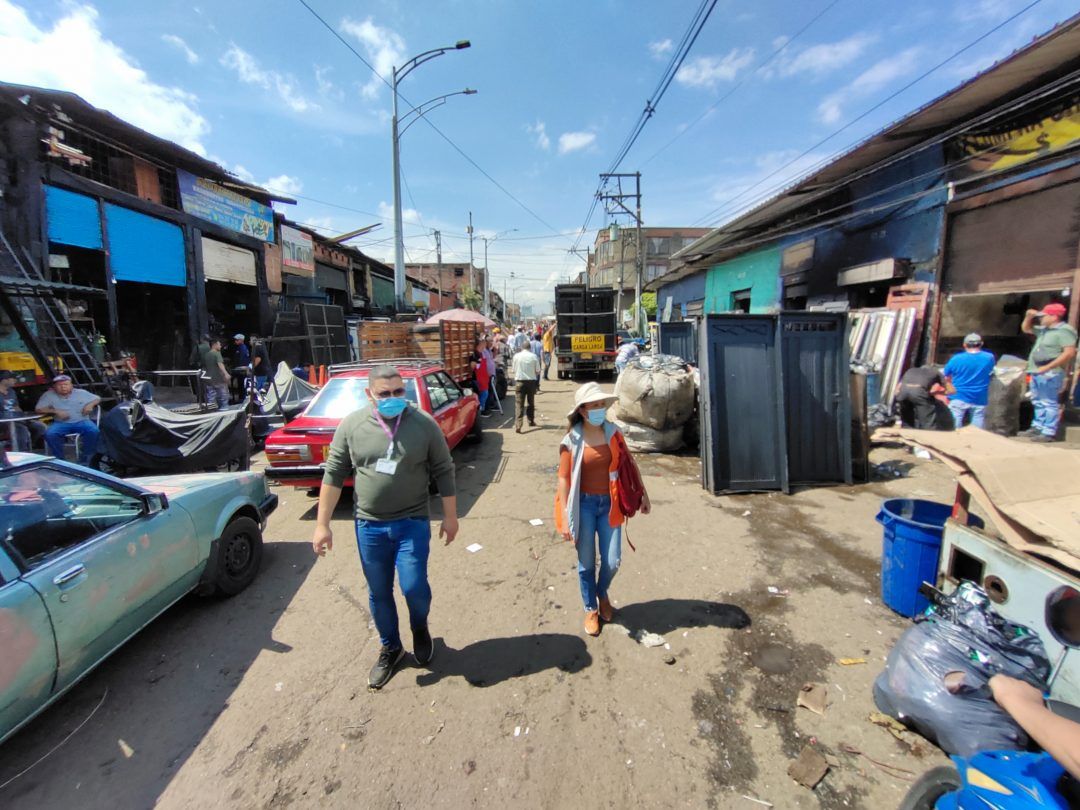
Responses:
[269,93]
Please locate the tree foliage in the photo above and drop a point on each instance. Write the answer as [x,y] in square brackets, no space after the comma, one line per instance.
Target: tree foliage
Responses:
[470,298]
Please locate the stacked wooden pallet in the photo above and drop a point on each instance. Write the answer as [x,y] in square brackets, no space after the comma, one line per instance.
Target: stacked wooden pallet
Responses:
[378,340]
[450,343]
[458,342]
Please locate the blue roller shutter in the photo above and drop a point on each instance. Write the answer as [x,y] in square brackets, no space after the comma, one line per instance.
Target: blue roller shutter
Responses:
[143,248]
[73,218]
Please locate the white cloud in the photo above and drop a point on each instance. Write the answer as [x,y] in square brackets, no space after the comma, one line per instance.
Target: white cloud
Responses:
[708,71]
[384,47]
[539,129]
[183,47]
[826,57]
[984,10]
[74,56]
[409,216]
[661,48]
[879,75]
[575,141]
[250,71]
[284,184]
[326,87]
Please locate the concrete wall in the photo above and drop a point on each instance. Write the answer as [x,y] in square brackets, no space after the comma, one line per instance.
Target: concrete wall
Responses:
[758,271]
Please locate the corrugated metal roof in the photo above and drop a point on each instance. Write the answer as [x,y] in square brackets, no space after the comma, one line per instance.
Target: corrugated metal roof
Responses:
[1017,73]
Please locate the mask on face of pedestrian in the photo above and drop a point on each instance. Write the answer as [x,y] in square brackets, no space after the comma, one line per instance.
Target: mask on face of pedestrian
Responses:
[596,416]
[389,400]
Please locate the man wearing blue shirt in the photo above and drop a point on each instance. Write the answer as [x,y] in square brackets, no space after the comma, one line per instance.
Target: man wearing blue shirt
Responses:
[969,373]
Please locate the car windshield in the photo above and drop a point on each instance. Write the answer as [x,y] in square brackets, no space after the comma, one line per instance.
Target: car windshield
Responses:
[343,395]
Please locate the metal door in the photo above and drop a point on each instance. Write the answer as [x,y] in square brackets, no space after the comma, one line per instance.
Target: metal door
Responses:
[742,436]
[817,400]
[680,339]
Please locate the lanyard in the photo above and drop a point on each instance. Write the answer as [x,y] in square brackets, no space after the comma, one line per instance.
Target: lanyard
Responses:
[389,434]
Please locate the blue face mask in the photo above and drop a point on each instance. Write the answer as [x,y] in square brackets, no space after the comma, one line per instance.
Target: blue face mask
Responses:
[597,416]
[391,406]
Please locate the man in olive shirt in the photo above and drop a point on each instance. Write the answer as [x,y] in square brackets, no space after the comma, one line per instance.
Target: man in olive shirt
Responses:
[1048,365]
[392,450]
[217,388]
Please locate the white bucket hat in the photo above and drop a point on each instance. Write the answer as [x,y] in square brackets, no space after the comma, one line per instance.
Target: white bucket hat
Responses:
[590,392]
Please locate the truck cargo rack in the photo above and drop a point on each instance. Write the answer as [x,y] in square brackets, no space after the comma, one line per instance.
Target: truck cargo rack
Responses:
[397,362]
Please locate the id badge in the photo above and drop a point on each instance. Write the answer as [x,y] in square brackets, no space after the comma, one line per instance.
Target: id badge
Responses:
[386,466]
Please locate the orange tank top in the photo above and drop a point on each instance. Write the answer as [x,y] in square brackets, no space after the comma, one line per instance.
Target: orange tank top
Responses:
[595,466]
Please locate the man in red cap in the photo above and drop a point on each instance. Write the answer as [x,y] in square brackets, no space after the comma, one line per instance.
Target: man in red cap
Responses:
[1048,365]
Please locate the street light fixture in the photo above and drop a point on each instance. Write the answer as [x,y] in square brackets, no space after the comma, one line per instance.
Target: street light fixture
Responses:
[397,74]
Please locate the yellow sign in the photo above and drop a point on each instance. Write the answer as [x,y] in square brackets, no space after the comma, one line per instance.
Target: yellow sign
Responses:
[587,343]
[1002,150]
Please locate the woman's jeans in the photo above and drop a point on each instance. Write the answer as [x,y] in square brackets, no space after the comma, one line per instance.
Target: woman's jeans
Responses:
[405,544]
[594,526]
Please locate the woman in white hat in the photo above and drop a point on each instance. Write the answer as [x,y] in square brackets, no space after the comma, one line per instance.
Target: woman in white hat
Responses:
[587,504]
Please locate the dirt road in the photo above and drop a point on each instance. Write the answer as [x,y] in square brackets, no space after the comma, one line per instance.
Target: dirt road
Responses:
[260,701]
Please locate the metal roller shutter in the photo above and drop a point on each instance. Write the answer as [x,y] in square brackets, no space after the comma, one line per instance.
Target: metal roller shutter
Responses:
[143,248]
[224,262]
[73,218]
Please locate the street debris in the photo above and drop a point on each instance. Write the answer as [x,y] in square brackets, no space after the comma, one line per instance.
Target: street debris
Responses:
[746,513]
[669,659]
[891,469]
[813,696]
[647,639]
[809,769]
[431,737]
[774,591]
[762,802]
[922,453]
[474,547]
[536,522]
[129,752]
[850,662]
[892,770]
[278,686]
[469,766]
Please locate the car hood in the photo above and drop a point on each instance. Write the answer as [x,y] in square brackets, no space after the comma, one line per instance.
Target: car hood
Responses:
[176,486]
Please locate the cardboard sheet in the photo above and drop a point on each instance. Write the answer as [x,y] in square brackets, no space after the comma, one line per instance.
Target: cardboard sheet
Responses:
[1030,491]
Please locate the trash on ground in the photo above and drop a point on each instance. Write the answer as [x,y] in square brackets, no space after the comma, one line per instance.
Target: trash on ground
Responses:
[809,769]
[746,513]
[431,737]
[669,659]
[921,452]
[517,731]
[129,752]
[961,633]
[762,802]
[647,639]
[813,696]
[774,591]
[474,547]
[278,686]
[850,662]
[536,522]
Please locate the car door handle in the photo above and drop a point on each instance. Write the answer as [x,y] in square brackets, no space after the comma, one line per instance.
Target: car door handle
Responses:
[69,576]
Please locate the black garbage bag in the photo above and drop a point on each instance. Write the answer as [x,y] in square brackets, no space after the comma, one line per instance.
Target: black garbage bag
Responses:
[961,635]
[147,438]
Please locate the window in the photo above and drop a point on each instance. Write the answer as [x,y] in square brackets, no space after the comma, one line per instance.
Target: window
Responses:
[44,511]
[453,392]
[740,301]
[654,271]
[343,395]
[659,246]
[459,272]
[436,390]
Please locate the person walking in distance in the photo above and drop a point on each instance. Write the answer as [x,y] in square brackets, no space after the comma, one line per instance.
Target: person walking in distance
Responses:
[1048,365]
[538,349]
[549,348]
[391,449]
[968,374]
[526,369]
[217,388]
[587,509]
[481,379]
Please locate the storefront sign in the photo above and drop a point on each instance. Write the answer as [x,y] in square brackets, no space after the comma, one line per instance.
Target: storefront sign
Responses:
[297,251]
[1003,150]
[214,203]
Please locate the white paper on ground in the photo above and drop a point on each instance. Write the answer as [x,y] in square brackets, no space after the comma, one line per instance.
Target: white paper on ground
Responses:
[475,547]
[536,522]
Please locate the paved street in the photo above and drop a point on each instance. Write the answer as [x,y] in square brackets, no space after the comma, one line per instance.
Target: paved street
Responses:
[260,701]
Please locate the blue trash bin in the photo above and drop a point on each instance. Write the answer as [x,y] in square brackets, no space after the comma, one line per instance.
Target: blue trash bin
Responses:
[911,545]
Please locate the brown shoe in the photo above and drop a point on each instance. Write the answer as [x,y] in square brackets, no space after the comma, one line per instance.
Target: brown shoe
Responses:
[517,429]
[592,623]
[607,612]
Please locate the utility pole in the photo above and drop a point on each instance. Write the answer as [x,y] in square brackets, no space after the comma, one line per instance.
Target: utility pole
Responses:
[615,204]
[484,307]
[438,263]
[472,268]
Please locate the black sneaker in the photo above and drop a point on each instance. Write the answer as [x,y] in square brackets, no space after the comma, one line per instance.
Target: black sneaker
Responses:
[1031,431]
[384,667]
[423,646]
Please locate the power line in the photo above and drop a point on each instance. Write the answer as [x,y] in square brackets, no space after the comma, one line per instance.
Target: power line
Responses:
[872,109]
[761,66]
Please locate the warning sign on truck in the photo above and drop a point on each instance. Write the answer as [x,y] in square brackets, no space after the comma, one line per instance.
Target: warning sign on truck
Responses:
[587,343]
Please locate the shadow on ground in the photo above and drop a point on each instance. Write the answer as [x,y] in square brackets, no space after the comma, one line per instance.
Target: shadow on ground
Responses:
[668,615]
[494,660]
[163,691]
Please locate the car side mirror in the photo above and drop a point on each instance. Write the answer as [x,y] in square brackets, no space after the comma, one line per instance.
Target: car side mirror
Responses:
[154,502]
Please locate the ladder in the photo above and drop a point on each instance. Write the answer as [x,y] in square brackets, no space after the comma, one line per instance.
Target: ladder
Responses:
[42,322]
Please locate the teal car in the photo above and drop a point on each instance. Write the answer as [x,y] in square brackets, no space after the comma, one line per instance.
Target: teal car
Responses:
[88,560]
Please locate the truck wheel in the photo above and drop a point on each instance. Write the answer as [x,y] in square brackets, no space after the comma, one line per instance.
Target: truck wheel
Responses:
[930,787]
[236,557]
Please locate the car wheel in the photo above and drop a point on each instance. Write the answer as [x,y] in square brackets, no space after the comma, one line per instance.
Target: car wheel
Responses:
[930,787]
[238,555]
[476,432]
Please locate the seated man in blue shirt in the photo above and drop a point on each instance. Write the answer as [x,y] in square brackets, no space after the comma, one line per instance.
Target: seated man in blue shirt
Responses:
[70,409]
[969,373]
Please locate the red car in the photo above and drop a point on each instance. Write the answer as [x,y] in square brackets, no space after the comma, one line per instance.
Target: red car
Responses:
[295,453]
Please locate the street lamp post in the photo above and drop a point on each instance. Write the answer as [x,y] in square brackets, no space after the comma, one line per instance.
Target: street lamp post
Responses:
[485,308]
[397,74]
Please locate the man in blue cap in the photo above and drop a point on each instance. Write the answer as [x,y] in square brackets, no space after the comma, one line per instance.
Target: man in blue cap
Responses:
[969,373]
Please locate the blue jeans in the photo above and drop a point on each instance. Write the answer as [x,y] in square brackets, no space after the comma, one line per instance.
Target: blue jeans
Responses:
[594,526]
[958,408]
[218,394]
[1045,389]
[483,398]
[88,438]
[403,543]
[547,363]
